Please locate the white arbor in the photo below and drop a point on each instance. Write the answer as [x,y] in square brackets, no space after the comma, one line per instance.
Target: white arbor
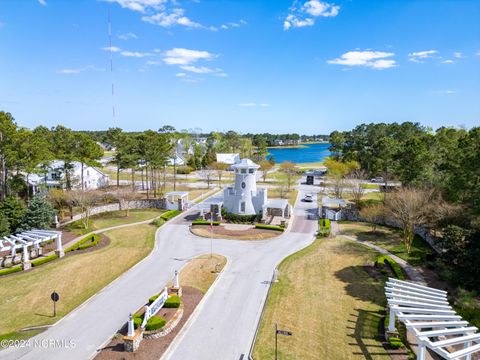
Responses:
[425,311]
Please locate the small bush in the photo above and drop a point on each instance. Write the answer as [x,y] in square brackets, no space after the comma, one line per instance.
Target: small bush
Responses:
[153,298]
[397,270]
[205,222]
[172,302]
[158,222]
[269,227]
[84,243]
[184,170]
[10,270]
[137,320]
[324,224]
[395,343]
[155,323]
[170,214]
[44,260]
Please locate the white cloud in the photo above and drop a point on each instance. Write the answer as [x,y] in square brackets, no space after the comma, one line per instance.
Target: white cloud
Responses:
[304,15]
[169,19]
[127,36]
[42,2]
[153,62]
[136,54]
[230,25]
[448,61]
[367,58]
[421,55]
[445,92]
[141,6]
[181,56]
[224,27]
[318,8]
[181,74]
[111,48]
[252,104]
[70,71]
[197,69]
[457,55]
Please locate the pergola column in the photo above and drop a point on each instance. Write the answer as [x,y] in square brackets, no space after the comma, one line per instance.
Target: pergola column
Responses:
[26,264]
[421,351]
[391,322]
[59,251]
[176,282]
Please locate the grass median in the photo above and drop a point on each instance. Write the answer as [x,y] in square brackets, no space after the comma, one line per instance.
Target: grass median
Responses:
[328,301]
[26,296]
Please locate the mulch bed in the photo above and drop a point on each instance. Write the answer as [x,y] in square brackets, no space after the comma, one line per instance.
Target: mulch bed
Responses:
[221,231]
[152,348]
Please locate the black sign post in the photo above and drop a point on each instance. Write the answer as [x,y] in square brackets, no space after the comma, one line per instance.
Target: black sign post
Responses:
[281,332]
[55,297]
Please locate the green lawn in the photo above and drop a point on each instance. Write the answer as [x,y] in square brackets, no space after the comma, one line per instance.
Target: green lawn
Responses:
[325,297]
[113,218]
[388,238]
[26,296]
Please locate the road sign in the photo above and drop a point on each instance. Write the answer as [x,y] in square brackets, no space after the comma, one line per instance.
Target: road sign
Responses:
[284,332]
[55,297]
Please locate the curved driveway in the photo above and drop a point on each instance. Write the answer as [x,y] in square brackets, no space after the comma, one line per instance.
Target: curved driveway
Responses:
[223,327]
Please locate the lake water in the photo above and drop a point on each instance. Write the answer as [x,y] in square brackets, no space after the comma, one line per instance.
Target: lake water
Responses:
[308,154]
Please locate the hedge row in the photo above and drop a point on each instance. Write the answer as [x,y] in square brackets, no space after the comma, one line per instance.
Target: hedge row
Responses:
[137,320]
[44,260]
[324,226]
[205,222]
[172,302]
[10,270]
[269,227]
[242,219]
[397,270]
[158,222]
[170,214]
[85,243]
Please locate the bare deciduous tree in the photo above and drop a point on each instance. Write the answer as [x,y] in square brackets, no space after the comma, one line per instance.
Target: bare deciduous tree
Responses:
[85,200]
[410,207]
[357,186]
[207,175]
[373,214]
[124,196]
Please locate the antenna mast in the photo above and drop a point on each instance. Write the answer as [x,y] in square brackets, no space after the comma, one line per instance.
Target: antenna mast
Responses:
[111,62]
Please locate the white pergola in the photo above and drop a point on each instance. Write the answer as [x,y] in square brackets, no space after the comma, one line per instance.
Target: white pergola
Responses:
[28,239]
[173,199]
[425,311]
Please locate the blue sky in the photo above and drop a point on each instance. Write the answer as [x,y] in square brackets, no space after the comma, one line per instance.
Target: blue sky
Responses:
[252,66]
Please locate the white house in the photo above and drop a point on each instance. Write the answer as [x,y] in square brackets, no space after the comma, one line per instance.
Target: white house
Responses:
[93,178]
[229,159]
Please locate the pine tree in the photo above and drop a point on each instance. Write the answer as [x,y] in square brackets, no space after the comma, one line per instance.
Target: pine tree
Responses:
[12,209]
[39,214]
[4,225]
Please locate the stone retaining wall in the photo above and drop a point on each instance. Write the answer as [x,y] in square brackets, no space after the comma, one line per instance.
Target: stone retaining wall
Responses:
[133,204]
[168,328]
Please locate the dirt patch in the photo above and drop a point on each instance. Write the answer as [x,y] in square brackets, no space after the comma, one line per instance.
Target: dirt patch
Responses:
[220,232]
[152,348]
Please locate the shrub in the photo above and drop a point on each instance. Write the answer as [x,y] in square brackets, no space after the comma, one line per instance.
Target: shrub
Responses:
[205,222]
[170,214]
[155,323]
[137,320]
[397,270]
[44,260]
[153,298]
[158,222]
[269,227]
[184,170]
[324,224]
[239,219]
[172,302]
[84,243]
[10,270]
[395,342]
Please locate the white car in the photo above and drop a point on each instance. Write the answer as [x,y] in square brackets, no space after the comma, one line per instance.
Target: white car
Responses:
[308,198]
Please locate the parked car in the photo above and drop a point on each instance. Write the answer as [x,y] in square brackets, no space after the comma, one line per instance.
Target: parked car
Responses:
[378,180]
[308,198]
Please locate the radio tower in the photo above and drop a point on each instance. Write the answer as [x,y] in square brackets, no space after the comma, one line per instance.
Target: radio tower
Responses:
[111,62]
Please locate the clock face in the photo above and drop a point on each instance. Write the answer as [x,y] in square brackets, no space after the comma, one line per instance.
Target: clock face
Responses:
[243,185]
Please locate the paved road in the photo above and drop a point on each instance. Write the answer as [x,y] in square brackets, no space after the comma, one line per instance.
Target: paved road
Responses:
[226,323]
